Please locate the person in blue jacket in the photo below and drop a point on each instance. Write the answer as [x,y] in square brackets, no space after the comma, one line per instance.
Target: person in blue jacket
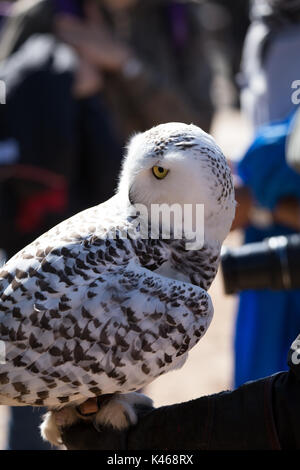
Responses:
[267,321]
[269,197]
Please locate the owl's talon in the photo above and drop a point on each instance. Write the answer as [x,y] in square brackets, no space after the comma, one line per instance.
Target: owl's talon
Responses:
[96,425]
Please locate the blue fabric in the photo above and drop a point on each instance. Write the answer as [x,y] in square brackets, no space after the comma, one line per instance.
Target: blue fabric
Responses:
[264,169]
[267,321]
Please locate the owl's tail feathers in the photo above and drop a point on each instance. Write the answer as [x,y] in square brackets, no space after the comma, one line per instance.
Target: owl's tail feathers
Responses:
[117,411]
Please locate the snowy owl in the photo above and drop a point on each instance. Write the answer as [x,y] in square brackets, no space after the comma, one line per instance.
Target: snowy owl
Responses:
[92,308]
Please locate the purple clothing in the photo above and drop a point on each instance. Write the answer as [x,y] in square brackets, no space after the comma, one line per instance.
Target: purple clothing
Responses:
[71,7]
[5,8]
[179,24]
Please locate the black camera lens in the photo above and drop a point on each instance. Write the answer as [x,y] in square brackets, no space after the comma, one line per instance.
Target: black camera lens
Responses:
[271,264]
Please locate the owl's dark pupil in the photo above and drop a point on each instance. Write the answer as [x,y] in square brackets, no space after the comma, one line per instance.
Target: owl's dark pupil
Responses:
[160,169]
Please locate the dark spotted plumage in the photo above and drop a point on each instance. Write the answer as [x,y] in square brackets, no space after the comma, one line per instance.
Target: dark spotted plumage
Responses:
[85,312]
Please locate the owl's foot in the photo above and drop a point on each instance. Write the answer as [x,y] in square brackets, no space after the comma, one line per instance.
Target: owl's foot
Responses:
[54,421]
[118,411]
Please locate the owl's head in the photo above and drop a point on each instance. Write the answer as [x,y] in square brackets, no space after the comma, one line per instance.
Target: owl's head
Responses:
[176,163]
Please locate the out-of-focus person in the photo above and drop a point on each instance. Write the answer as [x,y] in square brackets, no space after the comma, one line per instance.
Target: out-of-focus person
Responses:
[152,56]
[226,23]
[269,192]
[269,65]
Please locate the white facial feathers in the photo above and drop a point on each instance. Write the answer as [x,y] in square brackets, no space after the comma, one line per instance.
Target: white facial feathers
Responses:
[197,173]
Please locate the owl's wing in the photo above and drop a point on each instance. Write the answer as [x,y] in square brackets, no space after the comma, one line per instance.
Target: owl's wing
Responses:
[77,324]
[161,319]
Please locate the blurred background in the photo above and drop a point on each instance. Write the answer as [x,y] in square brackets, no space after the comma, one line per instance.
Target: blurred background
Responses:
[81,76]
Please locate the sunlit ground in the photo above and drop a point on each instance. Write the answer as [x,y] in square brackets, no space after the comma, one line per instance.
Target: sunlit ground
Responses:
[209,366]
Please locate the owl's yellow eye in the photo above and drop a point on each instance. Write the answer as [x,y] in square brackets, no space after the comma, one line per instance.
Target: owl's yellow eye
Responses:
[159,172]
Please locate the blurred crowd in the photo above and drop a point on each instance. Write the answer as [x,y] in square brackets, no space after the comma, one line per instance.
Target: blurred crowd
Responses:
[82,76]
